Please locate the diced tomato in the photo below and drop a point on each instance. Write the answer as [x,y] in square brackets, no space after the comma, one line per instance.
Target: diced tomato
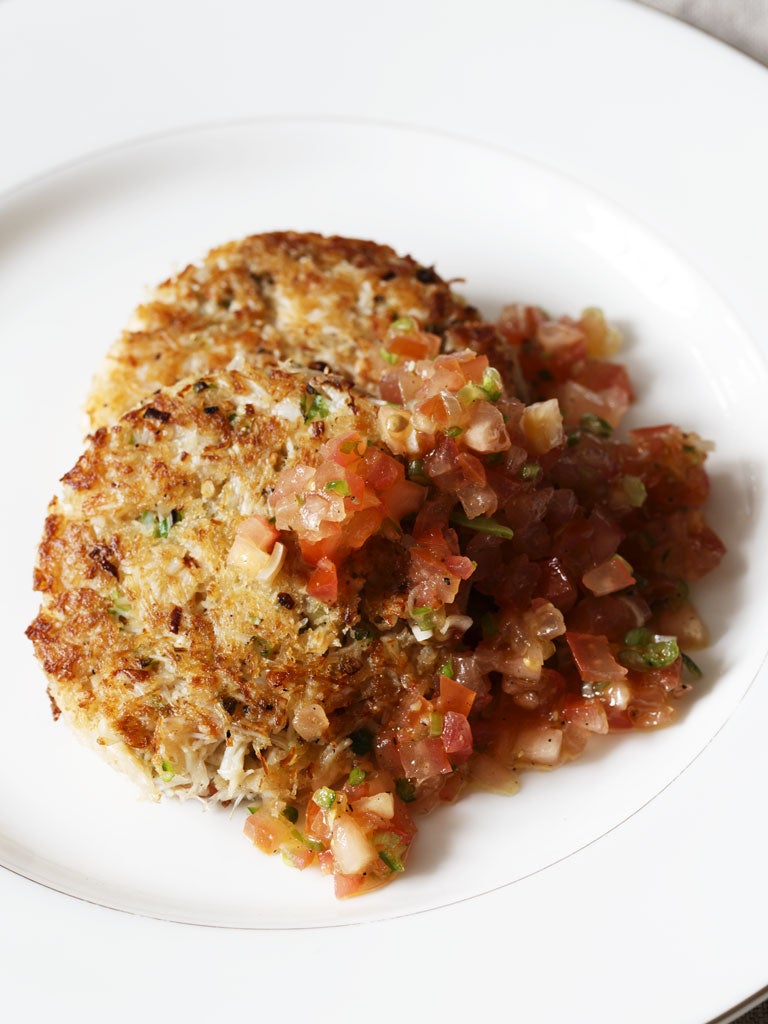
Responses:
[611,616]
[613,574]
[259,531]
[347,449]
[346,885]
[594,658]
[272,834]
[452,787]
[380,470]
[454,697]
[603,375]
[403,499]
[438,408]
[413,345]
[317,823]
[402,824]
[387,755]
[577,401]
[424,759]
[456,737]
[323,583]
[298,855]
[265,831]
[458,565]
[555,585]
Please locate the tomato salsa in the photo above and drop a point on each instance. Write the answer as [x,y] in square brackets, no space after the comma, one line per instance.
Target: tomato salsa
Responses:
[547,561]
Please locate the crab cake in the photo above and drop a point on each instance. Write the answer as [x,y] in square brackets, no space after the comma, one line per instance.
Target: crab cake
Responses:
[305,297]
[196,668]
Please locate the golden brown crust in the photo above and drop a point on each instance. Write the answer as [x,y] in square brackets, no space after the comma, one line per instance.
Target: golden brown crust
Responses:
[158,649]
[284,295]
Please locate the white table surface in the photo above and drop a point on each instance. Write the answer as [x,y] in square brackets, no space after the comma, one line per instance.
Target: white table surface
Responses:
[743,24]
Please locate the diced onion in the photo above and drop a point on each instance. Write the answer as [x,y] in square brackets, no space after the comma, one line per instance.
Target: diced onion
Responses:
[540,746]
[247,556]
[603,340]
[351,850]
[382,804]
[454,624]
[420,634]
[542,425]
[486,432]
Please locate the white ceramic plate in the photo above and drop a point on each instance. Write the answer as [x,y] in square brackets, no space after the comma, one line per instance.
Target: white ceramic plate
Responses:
[596,857]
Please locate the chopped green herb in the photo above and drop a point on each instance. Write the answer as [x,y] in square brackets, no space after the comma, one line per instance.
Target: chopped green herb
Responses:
[253,810]
[593,689]
[596,425]
[492,384]
[423,617]
[483,524]
[265,649]
[406,790]
[314,407]
[387,840]
[119,606]
[324,797]
[530,471]
[312,844]
[447,669]
[454,431]
[471,393]
[357,776]
[403,325]
[435,724]
[690,666]
[416,471]
[660,652]
[638,637]
[161,525]
[388,357]
[166,771]
[338,487]
[393,527]
[362,742]
[393,862]
[362,634]
[290,813]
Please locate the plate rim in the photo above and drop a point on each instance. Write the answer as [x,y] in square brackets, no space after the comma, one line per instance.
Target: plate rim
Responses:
[635,217]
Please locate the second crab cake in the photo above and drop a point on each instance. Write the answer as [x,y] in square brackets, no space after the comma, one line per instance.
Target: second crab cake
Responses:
[316,300]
